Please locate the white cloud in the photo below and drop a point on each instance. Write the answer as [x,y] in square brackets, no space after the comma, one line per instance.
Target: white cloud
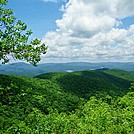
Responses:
[88,32]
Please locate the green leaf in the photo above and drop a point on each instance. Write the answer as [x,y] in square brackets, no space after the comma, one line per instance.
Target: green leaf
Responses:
[14,39]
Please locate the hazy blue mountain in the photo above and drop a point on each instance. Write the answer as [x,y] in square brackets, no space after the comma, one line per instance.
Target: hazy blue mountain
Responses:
[24,69]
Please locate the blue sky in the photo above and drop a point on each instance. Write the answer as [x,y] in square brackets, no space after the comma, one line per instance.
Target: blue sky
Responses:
[39,16]
[126,22]
[85,30]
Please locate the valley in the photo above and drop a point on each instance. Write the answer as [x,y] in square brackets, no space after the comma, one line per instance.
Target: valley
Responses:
[91,101]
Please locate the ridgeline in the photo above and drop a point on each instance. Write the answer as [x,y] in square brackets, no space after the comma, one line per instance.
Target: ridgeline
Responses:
[84,102]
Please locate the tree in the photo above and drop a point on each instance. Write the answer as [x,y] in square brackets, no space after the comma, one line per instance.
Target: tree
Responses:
[14,39]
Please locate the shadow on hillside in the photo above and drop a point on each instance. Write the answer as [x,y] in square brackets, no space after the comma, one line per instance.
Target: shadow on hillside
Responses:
[93,83]
[63,91]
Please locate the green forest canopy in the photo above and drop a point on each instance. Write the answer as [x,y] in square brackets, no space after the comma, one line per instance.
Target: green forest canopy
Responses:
[79,102]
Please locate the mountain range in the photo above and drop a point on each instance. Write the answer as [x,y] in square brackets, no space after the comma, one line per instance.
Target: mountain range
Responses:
[81,102]
[24,69]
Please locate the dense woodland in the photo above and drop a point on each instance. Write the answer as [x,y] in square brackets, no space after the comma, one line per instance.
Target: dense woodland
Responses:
[85,102]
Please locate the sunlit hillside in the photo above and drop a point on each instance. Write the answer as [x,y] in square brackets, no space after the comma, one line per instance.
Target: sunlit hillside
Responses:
[79,102]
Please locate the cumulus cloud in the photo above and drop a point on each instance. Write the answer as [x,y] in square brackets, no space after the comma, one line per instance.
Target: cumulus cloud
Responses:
[88,31]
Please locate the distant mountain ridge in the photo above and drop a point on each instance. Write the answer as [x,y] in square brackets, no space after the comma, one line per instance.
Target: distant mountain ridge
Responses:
[24,69]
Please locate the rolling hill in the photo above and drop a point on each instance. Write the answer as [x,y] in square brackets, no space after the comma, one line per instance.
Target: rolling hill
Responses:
[92,101]
[121,74]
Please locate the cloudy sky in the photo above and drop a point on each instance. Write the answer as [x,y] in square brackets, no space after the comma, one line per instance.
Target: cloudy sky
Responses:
[81,30]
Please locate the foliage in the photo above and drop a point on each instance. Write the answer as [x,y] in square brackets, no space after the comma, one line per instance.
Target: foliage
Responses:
[88,102]
[14,39]
[121,74]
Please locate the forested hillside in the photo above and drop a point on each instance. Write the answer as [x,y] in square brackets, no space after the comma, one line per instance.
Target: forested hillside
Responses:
[121,74]
[86,102]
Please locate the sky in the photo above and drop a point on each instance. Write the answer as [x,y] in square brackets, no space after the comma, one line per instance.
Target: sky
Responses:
[80,30]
